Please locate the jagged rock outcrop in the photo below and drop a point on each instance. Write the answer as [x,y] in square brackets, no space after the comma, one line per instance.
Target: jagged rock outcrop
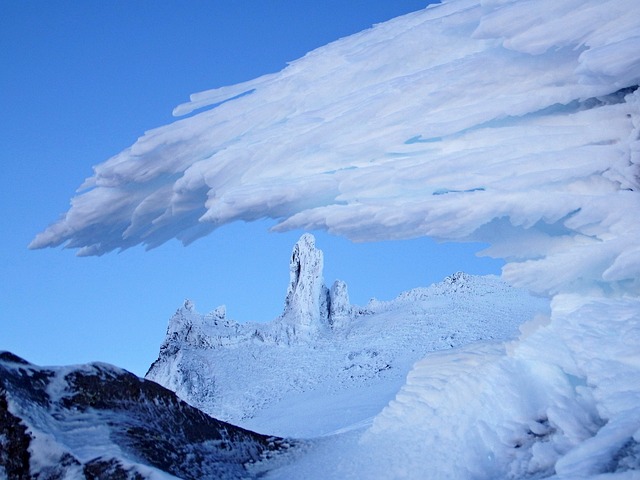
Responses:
[311,311]
[340,309]
[187,327]
[97,421]
[307,307]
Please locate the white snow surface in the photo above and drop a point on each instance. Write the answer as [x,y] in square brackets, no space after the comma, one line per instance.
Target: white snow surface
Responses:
[514,122]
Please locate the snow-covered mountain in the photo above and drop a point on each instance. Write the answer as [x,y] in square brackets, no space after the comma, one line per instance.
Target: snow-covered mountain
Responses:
[100,422]
[324,364]
[512,122]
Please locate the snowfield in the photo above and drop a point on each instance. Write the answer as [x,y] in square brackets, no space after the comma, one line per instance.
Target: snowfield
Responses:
[511,122]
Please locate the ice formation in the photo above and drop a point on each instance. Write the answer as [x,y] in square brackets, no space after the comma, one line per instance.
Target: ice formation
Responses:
[512,122]
[306,308]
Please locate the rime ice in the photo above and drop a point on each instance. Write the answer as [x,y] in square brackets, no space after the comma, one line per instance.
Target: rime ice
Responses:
[515,123]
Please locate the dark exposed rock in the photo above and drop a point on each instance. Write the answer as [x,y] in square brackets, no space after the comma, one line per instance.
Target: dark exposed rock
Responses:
[112,469]
[14,442]
[144,421]
[10,357]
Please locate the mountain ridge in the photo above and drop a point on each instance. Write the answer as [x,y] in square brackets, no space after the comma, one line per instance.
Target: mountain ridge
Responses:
[322,343]
[97,421]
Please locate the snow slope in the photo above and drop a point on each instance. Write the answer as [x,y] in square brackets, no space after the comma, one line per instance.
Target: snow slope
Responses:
[325,365]
[561,402]
[513,122]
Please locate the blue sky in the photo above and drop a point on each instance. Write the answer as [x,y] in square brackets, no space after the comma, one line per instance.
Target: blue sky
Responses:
[79,82]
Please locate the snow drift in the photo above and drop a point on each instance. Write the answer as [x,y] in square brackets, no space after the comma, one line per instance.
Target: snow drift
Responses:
[512,122]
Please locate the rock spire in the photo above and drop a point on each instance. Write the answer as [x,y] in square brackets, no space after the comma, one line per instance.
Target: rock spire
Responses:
[310,308]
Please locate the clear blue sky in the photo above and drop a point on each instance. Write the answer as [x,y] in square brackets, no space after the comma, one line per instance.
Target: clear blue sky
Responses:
[79,82]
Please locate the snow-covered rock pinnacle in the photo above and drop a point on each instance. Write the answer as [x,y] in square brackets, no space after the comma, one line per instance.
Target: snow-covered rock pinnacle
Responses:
[310,309]
[340,308]
[305,278]
[307,304]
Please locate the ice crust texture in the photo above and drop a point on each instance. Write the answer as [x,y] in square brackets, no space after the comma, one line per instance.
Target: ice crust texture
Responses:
[512,122]
[509,122]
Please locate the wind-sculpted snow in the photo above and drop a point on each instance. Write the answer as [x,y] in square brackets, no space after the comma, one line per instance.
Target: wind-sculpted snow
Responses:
[510,122]
[557,402]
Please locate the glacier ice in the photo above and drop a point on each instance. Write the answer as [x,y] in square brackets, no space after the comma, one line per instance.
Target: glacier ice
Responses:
[511,122]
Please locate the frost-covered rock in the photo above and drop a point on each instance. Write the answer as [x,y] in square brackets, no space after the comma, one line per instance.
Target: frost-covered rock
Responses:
[306,307]
[187,327]
[308,316]
[100,422]
[189,330]
[340,308]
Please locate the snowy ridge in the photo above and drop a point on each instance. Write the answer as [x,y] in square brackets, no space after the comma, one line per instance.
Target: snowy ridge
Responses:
[253,375]
[98,421]
[310,311]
